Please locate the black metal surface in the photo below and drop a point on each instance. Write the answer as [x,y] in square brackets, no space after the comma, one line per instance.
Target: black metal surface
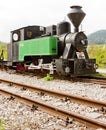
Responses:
[84,67]
[15,52]
[51,30]
[78,40]
[28,32]
[76,16]
[9,52]
[59,67]
[63,27]
[75,67]
[71,43]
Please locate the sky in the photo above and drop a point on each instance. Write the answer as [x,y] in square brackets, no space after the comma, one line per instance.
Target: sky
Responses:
[15,14]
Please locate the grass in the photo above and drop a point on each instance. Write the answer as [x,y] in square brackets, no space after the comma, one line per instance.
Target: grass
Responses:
[99,53]
[2,125]
[99,75]
[48,77]
[3,47]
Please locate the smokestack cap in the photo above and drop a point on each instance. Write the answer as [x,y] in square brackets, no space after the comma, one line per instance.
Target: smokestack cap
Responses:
[76,15]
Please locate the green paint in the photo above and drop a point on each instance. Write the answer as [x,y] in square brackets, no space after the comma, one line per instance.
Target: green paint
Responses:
[38,47]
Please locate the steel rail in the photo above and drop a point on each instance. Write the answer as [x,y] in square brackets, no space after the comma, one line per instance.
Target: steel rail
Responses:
[101,81]
[61,113]
[74,98]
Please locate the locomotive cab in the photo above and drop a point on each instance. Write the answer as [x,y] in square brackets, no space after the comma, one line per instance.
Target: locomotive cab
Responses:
[18,35]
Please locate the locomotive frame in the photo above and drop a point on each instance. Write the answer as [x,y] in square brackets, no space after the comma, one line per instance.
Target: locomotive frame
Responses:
[54,48]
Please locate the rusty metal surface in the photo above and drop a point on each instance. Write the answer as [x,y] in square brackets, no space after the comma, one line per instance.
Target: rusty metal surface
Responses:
[95,80]
[61,113]
[74,98]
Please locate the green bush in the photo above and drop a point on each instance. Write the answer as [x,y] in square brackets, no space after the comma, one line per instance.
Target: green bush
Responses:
[99,53]
[2,125]
[3,46]
[48,77]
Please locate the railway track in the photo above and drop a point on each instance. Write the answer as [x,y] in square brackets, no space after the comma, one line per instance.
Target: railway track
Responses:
[42,91]
[64,114]
[101,81]
[96,80]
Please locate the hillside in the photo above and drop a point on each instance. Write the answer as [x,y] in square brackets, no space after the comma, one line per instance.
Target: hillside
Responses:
[98,37]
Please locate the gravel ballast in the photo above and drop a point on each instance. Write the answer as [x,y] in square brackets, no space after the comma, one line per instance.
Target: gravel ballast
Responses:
[94,91]
[17,116]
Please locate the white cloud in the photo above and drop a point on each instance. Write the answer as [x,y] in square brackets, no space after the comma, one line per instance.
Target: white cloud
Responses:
[17,13]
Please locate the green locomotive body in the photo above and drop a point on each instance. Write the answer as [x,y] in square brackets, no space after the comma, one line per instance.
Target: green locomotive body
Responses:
[45,46]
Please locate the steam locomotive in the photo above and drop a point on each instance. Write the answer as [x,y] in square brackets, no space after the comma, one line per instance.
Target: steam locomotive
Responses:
[54,48]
